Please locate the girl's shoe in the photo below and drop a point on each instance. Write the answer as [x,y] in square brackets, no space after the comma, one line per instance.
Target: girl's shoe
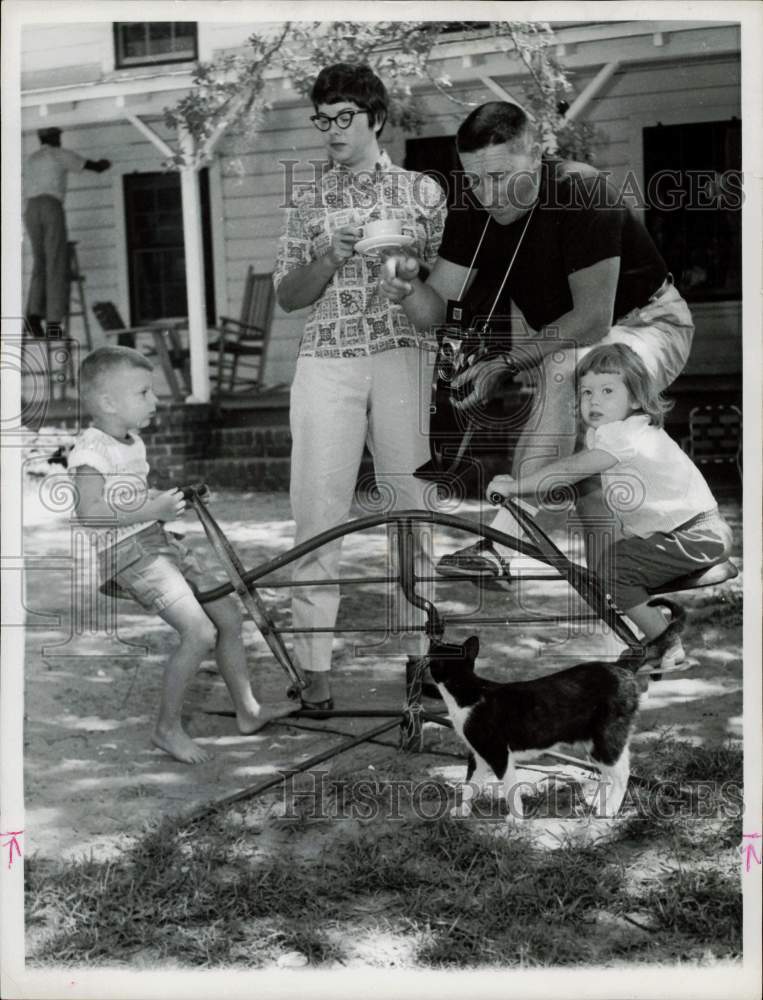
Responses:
[665,654]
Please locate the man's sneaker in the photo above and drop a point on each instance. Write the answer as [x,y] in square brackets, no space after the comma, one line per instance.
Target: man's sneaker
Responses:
[480,560]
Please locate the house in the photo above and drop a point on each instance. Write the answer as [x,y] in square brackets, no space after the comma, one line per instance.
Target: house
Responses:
[664,96]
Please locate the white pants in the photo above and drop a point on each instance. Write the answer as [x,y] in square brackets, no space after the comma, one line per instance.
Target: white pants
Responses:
[337,406]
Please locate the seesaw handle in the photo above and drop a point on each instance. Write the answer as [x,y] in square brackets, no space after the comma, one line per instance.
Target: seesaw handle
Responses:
[498,499]
[200,490]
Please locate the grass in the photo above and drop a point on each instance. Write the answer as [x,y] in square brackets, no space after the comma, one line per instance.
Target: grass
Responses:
[703,905]
[724,608]
[688,796]
[409,893]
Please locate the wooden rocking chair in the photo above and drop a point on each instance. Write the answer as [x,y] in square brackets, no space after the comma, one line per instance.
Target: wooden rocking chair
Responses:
[242,344]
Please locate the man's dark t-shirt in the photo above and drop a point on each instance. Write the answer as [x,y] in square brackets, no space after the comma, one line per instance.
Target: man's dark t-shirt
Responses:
[577,223]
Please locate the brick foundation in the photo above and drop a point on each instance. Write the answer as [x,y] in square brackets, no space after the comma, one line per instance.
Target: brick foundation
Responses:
[193,443]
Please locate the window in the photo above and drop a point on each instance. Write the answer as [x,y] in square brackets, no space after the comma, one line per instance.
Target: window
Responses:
[693,179]
[465,27]
[141,43]
[155,246]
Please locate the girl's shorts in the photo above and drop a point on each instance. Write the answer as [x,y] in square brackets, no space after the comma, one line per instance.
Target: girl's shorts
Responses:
[153,567]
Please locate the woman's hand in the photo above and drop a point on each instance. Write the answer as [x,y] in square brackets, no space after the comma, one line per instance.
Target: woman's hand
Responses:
[397,274]
[505,486]
[343,244]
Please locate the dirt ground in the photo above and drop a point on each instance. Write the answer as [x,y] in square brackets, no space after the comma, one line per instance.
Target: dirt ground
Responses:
[93,669]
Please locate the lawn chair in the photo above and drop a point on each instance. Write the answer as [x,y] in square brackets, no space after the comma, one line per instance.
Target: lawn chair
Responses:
[242,344]
[715,435]
[166,344]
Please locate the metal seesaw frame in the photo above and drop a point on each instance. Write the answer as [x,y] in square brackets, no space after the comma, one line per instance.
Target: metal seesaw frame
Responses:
[411,715]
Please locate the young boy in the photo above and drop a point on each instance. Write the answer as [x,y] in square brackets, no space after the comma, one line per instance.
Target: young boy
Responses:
[109,467]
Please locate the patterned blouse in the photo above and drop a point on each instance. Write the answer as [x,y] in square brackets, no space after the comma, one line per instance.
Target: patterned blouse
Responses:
[351,319]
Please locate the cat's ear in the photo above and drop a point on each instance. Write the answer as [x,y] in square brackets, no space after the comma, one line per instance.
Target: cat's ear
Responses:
[471,647]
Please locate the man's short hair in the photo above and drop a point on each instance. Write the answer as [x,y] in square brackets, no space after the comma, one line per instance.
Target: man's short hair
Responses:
[359,84]
[46,134]
[105,360]
[492,124]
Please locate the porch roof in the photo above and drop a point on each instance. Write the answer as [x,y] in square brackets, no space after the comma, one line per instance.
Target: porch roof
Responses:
[466,60]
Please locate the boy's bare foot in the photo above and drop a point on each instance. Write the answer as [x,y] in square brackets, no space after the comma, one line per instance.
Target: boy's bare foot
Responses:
[178,744]
[250,722]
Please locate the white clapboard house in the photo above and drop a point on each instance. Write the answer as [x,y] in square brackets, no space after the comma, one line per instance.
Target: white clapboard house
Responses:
[663,95]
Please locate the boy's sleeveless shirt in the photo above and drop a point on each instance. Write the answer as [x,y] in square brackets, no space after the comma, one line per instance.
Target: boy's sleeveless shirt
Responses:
[124,468]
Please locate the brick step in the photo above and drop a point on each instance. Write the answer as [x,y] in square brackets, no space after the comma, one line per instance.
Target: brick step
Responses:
[240,473]
[250,442]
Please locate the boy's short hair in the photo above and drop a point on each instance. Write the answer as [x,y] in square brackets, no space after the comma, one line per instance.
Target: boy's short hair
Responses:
[105,360]
[492,124]
[359,84]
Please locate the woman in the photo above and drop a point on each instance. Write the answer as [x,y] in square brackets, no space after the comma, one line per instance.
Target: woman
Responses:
[361,377]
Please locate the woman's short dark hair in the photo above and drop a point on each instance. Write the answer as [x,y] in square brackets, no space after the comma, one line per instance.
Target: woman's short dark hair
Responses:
[359,84]
[492,124]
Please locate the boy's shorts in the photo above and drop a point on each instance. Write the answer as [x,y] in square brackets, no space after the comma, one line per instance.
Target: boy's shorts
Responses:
[153,567]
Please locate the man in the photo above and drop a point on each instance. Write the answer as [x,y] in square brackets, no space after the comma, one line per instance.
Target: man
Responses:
[581,262]
[45,177]
[360,371]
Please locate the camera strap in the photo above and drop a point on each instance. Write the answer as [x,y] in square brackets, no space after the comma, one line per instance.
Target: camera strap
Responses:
[511,262]
[456,310]
[474,258]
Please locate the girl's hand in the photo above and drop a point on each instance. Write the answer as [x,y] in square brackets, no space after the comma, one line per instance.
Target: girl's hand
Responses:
[343,244]
[505,486]
[167,506]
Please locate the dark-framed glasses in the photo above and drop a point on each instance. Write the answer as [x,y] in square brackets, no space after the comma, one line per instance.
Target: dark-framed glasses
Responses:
[344,119]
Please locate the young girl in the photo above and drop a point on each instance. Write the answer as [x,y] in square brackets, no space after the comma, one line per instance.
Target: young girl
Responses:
[668,518]
[110,471]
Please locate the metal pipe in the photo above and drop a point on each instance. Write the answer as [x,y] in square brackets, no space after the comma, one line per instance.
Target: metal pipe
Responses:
[373,521]
[248,793]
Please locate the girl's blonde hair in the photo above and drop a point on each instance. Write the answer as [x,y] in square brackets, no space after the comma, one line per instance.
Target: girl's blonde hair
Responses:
[618,359]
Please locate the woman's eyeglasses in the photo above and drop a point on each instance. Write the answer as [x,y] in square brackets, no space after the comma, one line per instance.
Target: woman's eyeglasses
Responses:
[343,120]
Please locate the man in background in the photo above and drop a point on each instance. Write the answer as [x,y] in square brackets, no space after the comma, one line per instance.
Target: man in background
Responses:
[45,177]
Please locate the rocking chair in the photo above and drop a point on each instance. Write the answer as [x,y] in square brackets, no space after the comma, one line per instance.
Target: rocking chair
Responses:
[242,344]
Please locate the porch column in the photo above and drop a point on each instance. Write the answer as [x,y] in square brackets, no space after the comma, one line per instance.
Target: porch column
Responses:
[194,273]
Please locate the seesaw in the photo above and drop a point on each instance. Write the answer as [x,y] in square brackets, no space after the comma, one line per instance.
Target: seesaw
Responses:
[402,525]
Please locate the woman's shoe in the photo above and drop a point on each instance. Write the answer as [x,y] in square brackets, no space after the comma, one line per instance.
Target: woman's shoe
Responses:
[317,706]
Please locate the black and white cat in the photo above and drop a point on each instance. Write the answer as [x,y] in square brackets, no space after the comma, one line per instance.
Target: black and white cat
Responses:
[593,703]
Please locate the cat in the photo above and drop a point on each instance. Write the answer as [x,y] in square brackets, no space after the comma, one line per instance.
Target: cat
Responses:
[594,703]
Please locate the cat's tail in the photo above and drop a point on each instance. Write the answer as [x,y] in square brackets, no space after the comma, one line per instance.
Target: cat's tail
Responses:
[634,659]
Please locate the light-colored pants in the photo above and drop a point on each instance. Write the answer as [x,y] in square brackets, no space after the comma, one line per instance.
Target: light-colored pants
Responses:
[337,406]
[661,334]
[49,286]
